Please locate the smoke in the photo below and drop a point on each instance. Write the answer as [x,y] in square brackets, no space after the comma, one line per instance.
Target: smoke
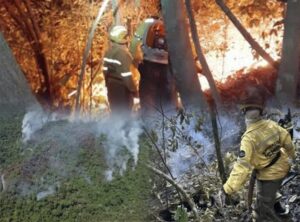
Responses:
[121,144]
[54,144]
[196,147]
[35,119]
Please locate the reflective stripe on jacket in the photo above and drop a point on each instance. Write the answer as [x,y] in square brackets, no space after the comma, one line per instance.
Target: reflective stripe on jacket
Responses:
[117,64]
[259,146]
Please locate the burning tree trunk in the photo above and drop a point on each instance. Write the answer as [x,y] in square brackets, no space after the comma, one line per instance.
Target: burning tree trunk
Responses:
[200,54]
[183,65]
[289,68]
[246,34]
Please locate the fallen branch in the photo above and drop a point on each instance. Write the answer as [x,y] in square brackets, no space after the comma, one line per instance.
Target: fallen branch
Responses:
[179,188]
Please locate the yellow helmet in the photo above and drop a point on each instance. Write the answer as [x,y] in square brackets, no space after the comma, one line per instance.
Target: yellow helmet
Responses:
[118,34]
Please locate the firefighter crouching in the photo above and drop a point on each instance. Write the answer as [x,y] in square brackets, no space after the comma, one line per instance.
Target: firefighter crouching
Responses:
[119,72]
[265,148]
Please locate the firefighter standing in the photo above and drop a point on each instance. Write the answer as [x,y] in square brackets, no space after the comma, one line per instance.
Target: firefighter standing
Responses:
[157,86]
[119,73]
[266,148]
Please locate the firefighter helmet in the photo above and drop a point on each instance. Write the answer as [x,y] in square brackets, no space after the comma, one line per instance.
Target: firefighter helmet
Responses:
[151,36]
[253,98]
[118,34]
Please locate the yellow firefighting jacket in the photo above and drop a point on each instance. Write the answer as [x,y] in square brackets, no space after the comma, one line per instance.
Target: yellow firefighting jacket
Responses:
[259,146]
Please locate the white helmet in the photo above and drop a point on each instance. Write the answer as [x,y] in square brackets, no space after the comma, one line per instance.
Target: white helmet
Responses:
[118,34]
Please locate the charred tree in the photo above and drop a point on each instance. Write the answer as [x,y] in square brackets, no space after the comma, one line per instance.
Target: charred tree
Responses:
[179,47]
[201,57]
[246,34]
[288,77]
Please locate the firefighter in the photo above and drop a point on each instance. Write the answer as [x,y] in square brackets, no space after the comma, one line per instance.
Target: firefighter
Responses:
[120,75]
[157,86]
[265,148]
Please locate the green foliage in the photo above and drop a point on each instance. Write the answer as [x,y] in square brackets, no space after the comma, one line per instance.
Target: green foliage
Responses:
[83,195]
[10,127]
[181,214]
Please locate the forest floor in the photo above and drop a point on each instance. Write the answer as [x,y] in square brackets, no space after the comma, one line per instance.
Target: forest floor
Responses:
[60,175]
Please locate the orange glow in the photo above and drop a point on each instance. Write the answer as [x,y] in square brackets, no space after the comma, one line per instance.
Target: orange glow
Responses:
[239,53]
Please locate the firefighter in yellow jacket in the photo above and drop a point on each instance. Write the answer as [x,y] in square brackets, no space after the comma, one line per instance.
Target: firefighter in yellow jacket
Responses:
[265,147]
[121,77]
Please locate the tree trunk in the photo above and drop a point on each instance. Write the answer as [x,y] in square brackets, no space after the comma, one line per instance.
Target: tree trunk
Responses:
[15,93]
[86,52]
[246,34]
[215,132]
[116,9]
[182,61]
[288,76]
[31,31]
[201,57]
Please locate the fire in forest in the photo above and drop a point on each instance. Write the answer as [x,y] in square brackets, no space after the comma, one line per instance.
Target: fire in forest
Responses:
[62,43]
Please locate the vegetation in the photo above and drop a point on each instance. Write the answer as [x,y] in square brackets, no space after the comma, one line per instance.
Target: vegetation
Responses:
[48,39]
[81,194]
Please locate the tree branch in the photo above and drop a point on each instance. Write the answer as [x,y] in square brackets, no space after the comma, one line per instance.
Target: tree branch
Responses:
[246,34]
[86,51]
[201,57]
[179,188]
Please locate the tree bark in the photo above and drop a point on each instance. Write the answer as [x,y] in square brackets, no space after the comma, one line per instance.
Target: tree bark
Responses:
[288,77]
[182,61]
[246,34]
[201,57]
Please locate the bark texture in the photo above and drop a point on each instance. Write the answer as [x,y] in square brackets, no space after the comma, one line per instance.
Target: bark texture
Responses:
[288,77]
[181,56]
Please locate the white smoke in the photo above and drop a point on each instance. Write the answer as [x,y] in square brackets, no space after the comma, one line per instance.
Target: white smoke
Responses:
[34,120]
[120,138]
[188,155]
